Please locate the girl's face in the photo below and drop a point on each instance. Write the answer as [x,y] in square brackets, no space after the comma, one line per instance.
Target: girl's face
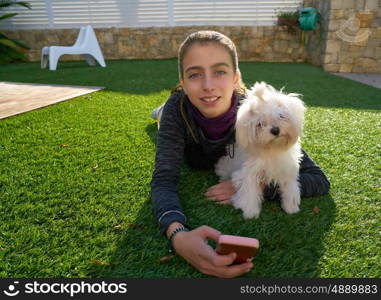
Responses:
[209,78]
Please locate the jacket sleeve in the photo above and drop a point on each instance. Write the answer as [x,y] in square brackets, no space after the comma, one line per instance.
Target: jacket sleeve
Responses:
[313,181]
[166,175]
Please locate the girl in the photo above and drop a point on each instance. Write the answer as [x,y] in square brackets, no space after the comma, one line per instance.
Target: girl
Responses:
[197,123]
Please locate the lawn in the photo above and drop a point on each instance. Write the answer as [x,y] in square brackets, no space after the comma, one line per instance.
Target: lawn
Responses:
[75,179]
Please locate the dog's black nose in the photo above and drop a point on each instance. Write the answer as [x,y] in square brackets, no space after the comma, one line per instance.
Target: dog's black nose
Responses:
[275,131]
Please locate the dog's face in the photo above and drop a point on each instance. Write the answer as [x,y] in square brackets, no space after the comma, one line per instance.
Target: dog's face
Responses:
[269,119]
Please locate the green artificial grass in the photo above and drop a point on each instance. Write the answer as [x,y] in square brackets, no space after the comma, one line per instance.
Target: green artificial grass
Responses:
[75,179]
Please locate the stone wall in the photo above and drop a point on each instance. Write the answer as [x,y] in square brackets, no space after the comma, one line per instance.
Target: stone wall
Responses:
[352,38]
[260,43]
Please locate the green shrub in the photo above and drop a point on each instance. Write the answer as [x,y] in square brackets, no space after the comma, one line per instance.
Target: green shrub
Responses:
[11,49]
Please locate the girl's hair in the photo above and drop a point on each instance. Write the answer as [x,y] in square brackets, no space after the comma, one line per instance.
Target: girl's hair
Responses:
[205,37]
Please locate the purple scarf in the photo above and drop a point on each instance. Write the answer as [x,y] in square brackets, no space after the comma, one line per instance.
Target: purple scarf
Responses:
[216,128]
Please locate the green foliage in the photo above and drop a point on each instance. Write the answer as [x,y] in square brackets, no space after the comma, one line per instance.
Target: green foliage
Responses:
[71,172]
[11,49]
[6,3]
[288,14]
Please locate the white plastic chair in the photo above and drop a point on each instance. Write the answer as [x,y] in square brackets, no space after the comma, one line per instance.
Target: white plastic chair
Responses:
[85,45]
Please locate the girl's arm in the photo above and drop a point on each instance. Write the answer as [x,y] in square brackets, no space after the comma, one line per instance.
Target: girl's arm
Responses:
[313,181]
[169,156]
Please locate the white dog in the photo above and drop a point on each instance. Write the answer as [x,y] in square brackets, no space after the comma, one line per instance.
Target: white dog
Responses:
[267,150]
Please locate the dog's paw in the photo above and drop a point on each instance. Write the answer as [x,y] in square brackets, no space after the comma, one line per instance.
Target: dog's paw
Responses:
[249,214]
[291,209]
[290,197]
[251,209]
[291,205]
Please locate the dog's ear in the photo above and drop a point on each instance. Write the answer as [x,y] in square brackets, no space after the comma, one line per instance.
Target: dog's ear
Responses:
[245,116]
[249,104]
[258,90]
[296,105]
[242,135]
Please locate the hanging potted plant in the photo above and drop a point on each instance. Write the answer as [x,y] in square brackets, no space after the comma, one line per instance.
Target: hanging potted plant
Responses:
[289,19]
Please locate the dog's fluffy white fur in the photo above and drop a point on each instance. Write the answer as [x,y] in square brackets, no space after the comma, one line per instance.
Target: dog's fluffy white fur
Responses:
[267,150]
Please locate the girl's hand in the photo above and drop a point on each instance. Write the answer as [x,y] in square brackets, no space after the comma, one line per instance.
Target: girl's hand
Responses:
[193,247]
[221,193]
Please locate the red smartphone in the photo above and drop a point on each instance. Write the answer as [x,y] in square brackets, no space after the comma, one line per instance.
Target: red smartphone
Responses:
[244,247]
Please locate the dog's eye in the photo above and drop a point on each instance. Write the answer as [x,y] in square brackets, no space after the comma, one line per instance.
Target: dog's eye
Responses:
[281,116]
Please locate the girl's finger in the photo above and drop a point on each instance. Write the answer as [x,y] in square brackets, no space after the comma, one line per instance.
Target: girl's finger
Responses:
[224,202]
